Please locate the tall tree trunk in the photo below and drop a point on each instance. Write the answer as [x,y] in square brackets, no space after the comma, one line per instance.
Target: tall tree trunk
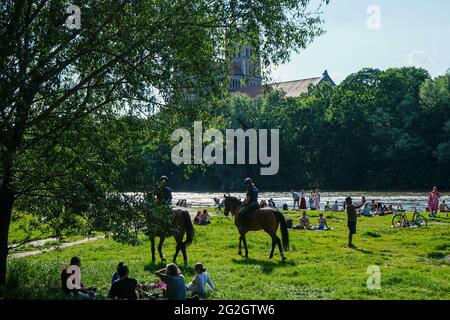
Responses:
[6,204]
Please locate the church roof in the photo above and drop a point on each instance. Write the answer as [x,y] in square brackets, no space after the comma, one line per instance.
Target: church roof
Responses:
[296,87]
[292,88]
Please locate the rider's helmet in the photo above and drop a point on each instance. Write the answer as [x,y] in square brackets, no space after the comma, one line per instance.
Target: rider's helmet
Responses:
[247,181]
[163,179]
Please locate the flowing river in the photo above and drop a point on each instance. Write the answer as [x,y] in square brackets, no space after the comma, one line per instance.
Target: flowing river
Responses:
[409,200]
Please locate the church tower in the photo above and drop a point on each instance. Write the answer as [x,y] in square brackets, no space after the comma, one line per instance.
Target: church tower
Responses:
[245,69]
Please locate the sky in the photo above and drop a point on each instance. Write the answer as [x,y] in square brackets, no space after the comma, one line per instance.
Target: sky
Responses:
[375,33]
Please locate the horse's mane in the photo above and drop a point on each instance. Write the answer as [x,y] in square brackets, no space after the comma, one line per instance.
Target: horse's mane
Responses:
[234,199]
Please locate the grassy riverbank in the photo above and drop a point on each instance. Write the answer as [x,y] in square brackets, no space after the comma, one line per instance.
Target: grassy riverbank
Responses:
[414,263]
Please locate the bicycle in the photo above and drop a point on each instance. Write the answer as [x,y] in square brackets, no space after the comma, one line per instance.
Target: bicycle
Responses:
[400,220]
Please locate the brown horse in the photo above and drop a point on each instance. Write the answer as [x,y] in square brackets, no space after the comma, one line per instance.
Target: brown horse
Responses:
[181,224]
[266,219]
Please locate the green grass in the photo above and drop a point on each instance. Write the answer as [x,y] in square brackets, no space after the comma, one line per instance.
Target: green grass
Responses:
[414,263]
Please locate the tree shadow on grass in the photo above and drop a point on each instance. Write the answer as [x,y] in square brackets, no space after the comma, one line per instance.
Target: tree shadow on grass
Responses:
[155,266]
[266,266]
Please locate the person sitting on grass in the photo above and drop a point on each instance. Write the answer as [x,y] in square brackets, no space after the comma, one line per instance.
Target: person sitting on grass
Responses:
[366,211]
[389,209]
[335,207]
[386,210]
[198,285]
[116,275]
[197,217]
[204,218]
[443,207]
[82,292]
[124,288]
[327,207]
[304,221]
[272,203]
[322,223]
[352,218]
[172,277]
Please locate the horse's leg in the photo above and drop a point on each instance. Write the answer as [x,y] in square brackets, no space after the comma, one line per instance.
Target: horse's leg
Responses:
[183,251]
[280,247]
[245,245]
[274,242]
[152,244]
[160,244]
[178,248]
[240,245]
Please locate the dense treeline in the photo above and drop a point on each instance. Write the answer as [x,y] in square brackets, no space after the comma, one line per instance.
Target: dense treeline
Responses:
[385,130]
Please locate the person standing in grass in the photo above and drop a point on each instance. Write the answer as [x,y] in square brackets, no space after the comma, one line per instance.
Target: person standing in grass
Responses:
[351,218]
[433,202]
[296,198]
[302,201]
[317,200]
[311,200]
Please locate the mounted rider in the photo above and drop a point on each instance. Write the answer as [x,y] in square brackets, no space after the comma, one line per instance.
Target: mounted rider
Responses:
[250,204]
[164,193]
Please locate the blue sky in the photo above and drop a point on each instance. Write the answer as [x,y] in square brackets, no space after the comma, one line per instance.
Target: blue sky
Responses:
[412,32]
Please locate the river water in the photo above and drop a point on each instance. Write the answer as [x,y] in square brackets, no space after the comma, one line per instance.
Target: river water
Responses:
[409,200]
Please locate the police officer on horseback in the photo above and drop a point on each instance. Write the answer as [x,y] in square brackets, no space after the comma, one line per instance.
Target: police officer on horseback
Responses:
[164,193]
[250,204]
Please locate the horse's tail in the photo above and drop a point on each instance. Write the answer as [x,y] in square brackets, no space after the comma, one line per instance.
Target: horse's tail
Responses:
[284,229]
[189,227]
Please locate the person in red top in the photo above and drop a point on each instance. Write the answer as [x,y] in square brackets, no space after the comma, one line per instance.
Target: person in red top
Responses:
[81,293]
[433,202]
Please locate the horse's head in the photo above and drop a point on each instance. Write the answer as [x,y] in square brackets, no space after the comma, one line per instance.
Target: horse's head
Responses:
[231,204]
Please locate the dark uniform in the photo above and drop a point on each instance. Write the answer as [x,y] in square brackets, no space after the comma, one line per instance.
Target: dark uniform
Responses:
[164,193]
[249,206]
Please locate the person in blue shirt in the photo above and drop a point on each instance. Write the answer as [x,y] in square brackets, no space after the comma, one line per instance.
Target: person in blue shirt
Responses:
[164,193]
[250,204]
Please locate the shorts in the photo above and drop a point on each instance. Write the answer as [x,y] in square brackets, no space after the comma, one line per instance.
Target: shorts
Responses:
[351,227]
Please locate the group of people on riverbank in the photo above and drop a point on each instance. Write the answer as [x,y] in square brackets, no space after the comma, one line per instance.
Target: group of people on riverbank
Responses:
[123,287]
[300,200]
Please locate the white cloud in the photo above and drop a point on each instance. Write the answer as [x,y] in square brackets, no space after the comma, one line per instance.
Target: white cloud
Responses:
[418,58]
